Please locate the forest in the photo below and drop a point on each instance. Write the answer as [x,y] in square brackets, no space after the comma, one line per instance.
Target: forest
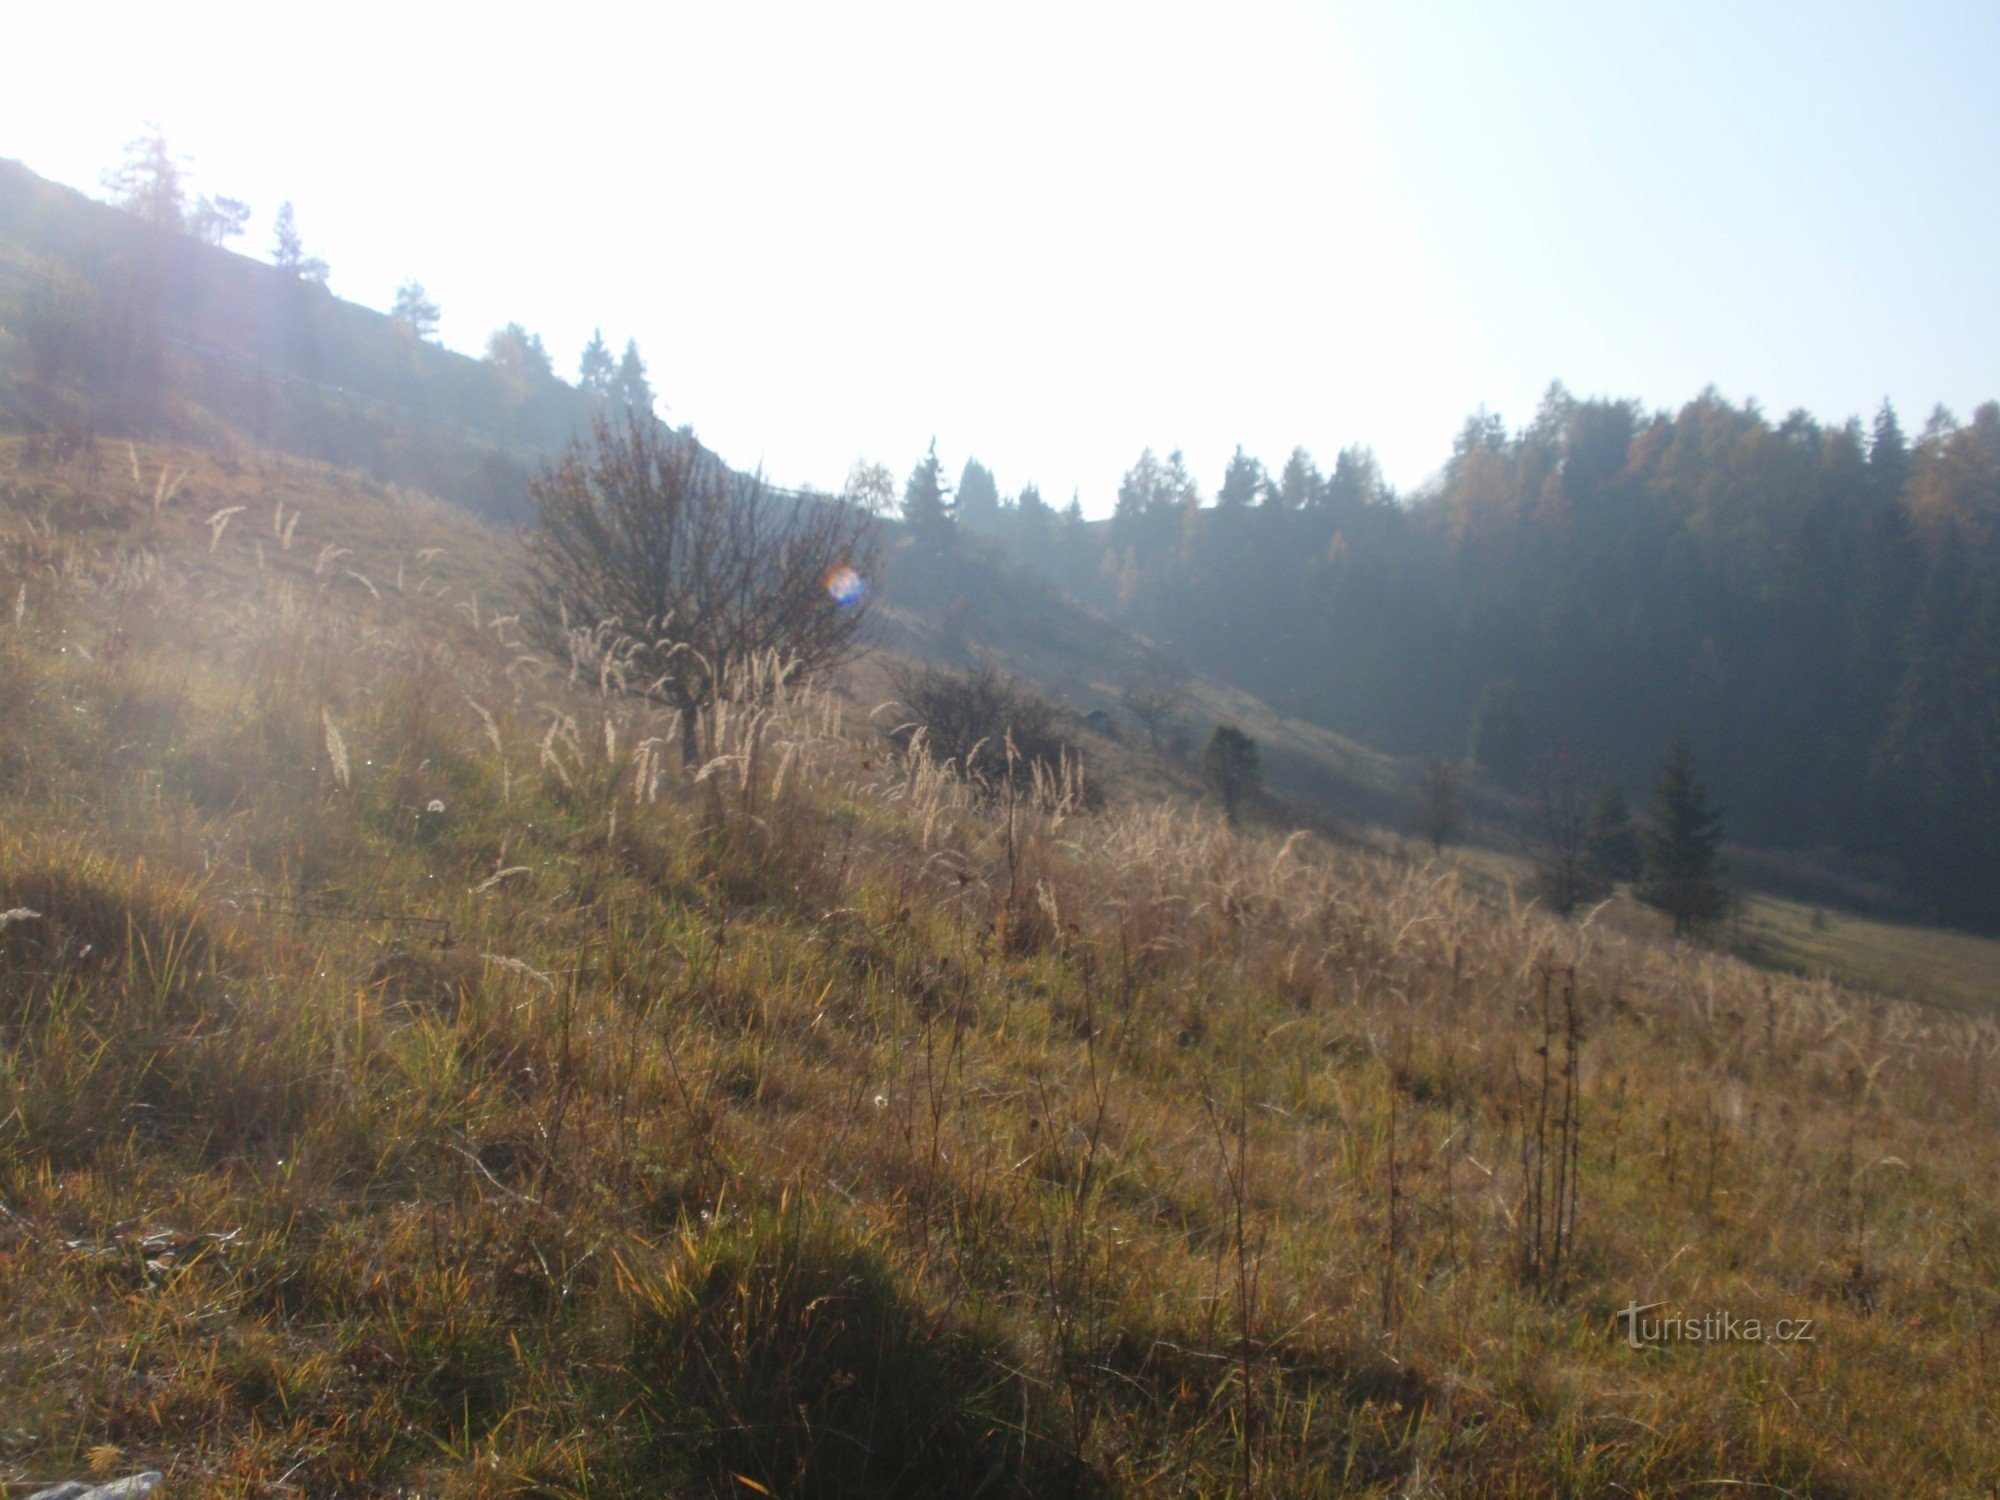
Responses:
[1816,606]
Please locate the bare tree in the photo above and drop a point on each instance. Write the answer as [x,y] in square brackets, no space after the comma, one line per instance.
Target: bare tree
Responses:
[1566,871]
[1438,814]
[644,539]
[1154,702]
[870,486]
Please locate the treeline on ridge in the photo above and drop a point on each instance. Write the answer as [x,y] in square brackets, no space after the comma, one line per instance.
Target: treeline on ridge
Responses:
[1816,606]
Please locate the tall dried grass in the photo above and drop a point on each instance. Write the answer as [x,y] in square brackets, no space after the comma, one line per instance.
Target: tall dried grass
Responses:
[496,1105]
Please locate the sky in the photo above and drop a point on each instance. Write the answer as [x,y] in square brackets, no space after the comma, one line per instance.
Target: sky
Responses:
[1050,235]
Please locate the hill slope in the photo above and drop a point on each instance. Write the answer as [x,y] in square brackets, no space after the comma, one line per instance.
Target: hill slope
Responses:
[110,321]
[410,1081]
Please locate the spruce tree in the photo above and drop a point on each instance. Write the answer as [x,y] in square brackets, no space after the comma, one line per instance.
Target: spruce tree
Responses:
[1683,875]
[926,498]
[1242,482]
[978,498]
[597,369]
[630,387]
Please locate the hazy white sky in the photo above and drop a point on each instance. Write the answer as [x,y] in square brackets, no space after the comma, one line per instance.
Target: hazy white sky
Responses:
[1051,234]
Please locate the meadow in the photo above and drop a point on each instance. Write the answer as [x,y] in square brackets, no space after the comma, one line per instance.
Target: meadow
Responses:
[415,1081]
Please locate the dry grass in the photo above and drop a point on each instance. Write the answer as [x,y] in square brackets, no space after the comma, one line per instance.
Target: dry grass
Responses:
[516,1111]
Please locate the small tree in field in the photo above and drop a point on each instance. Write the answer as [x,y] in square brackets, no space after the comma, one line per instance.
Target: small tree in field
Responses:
[1438,813]
[1231,766]
[1154,701]
[696,572]
[1682,844]
[1565,873]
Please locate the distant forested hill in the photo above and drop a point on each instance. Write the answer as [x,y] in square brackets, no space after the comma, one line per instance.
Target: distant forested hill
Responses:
[137,328]
[1817,606]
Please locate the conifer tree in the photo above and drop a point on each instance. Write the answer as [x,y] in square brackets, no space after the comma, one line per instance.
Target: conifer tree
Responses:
[1682,844]
[596,370]
[416,310]
[148,181]
[216,220]
[289,252]
[1242,482]
[630,387]
[978,498]
[926,498]
[1300,485]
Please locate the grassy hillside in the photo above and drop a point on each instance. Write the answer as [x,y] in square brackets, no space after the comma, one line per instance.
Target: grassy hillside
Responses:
[111,321]
[1932,966]
[413,1081]
[963,603]
[230,352]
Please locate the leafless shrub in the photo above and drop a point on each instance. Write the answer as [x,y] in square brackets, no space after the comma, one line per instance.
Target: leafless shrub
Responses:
[695,569]
[1566,871]
[994,731]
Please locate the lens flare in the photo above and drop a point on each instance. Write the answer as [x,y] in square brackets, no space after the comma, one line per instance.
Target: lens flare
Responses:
[846,587]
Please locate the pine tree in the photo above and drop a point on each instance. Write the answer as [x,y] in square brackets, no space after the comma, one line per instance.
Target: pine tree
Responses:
[1888,457]
[1682,844]
[415,310]
[289,253]
[978,498]
[148,181]
[1140,492]
[926,498]
[217,220]
[1242,482]
[630,387]
[1300,485]
[1180,490]
[597,369]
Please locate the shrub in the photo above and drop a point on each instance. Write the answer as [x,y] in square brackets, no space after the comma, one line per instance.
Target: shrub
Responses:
[968,719]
